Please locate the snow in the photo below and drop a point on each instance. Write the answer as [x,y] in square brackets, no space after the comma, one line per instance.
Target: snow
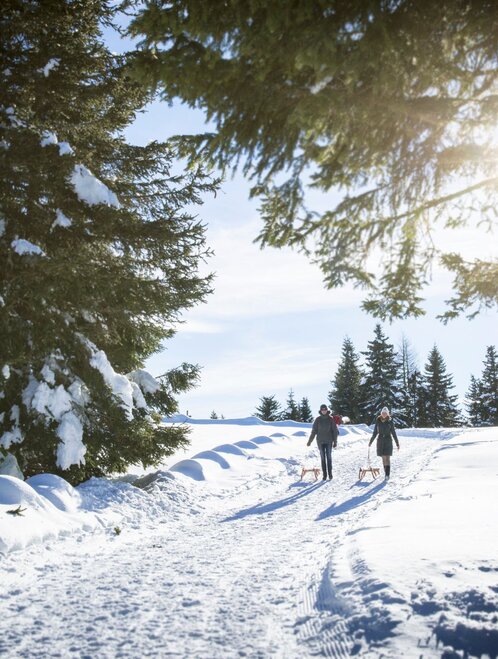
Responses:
[223,551]
[61,220]
[48,138]
[65,149]
[51,64]
[23,247]
[119,384]
[145,381]
[90,189]
[71,450]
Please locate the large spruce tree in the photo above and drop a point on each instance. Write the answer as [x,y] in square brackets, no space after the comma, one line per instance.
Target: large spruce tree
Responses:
[345,397]
[391,104]
[98,255]
[380,385]
[438,406]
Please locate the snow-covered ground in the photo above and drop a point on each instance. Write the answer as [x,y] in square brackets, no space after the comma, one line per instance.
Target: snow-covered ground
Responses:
[225,553]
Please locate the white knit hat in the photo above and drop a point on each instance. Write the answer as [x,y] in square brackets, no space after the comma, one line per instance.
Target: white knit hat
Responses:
[384,410]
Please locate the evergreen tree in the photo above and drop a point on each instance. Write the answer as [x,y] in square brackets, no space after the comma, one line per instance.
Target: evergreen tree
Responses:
[305,413]
[292,409]
[98,256]
[213,415]
[345,397]
[408,384]
[474,405]
[269,409]
[391,103]
[415,398]
[380,384]
[489,388]
[439,407]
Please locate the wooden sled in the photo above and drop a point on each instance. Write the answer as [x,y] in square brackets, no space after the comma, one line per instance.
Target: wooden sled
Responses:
[372,470]
[315,471]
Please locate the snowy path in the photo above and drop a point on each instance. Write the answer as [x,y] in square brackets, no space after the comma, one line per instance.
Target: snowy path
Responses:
[246,571]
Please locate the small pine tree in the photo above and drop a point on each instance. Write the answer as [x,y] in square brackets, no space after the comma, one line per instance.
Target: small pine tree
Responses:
[380,386]
[292,410]
[213,415]
[439,407]
[269,409]
[489,382]
[305,413]
[345,396]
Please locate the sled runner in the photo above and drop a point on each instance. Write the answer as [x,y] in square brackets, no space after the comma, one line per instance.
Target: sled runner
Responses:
[374,471]
[314,471]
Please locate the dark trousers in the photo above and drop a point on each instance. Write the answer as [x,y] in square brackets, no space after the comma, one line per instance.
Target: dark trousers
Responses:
[326,456]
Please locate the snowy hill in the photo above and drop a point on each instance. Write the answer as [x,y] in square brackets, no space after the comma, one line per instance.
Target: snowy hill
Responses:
[225,552]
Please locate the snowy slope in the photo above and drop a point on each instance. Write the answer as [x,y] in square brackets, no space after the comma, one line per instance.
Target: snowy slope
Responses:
[224,552]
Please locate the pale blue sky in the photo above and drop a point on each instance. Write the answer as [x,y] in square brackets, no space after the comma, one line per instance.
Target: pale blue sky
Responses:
[270,325]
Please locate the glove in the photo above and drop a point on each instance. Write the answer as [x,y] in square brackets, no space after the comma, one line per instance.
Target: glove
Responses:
[334,444]
[308,443]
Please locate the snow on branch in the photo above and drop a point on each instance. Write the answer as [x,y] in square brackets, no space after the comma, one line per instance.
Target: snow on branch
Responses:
[90,189]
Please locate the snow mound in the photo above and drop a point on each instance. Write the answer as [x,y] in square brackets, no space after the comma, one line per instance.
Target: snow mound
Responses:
[58,491]
[15,492]
[38,519]
[191,468]
[229,448]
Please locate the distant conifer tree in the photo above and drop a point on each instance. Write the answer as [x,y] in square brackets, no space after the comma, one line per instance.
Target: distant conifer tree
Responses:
[408,383]
[305,411]
[474,403]
[345,397]
[380,385]
[439,407]
[292,410]
[269,409]
[489,388]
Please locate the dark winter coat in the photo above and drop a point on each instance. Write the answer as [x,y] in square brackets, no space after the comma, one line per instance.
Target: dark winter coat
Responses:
[385,432]
[325,430]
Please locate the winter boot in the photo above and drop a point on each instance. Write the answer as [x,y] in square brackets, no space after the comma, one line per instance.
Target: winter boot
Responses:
[330,476]
[388,471]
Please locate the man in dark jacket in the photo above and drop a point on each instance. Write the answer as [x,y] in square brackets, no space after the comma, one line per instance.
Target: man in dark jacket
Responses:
[385,432]
[325,431]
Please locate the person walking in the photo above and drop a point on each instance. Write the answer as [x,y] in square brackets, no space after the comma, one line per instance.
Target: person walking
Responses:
[325,430]
[385,432]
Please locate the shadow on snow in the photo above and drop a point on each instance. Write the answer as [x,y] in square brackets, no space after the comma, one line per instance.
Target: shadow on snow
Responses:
[349,504]
[262,509]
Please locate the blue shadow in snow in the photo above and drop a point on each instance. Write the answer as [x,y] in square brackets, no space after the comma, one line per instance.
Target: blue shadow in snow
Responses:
[354,502]
[262,509]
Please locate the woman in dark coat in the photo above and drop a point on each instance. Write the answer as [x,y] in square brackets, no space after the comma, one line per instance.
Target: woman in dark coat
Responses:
[385,432]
